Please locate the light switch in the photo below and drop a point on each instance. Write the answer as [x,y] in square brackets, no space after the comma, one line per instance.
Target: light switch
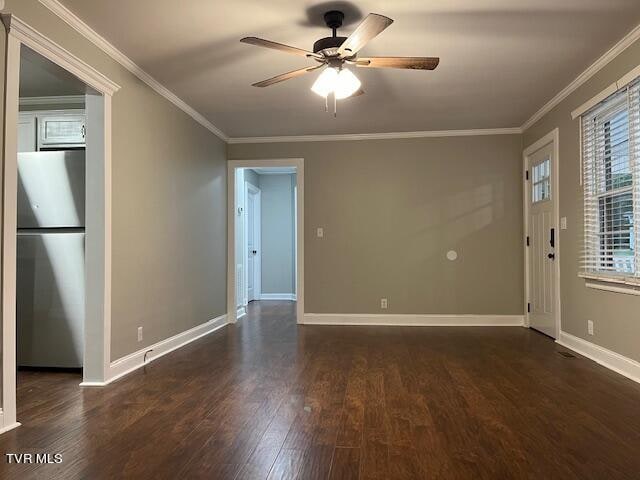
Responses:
[320,232]
[563,223]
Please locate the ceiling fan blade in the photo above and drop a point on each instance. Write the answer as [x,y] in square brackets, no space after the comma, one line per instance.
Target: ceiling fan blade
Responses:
[369,28]
[260,42]
[413,63]
[287,76]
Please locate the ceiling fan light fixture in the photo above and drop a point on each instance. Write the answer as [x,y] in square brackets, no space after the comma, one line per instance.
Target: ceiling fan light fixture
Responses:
[347,84]
[326,82]
[341,83]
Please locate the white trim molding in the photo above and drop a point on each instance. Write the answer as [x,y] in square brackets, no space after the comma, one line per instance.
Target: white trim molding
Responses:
[600,97]
[5,428]
[9,225]
[607,358]
[52,51]
[135,360]
[408,320]
[86,31]
[377,136]
[64,100]
[278,296]
[232,259]
[615,87]
[581,79]
[609,283]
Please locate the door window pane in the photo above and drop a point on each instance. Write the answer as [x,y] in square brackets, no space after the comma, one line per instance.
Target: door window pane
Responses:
[541,181]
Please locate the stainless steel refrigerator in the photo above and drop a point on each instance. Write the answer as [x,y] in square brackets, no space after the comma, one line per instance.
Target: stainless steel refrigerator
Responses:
[50,259]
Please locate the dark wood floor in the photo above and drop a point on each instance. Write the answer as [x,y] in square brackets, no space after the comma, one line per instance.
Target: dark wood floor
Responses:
[268,399]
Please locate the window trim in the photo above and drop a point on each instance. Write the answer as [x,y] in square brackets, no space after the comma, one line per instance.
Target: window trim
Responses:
[609,281]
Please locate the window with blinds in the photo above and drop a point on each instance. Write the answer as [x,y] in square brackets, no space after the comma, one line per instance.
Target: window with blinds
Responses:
[611,169]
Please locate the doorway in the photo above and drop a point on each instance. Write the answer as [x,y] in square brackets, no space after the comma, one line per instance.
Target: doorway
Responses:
[56,233]
[265,228]
[542,242]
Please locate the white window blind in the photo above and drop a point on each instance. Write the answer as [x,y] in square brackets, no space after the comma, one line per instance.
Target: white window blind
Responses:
[611,169]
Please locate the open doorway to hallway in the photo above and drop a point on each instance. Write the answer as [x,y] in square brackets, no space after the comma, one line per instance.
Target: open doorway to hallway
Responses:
[266,235]
[266,248]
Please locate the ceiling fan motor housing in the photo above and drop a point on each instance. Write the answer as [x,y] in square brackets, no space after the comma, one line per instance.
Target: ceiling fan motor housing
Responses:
[329,45]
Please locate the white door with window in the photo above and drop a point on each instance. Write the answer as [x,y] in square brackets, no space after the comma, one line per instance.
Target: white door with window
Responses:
[253,243]
[542,238]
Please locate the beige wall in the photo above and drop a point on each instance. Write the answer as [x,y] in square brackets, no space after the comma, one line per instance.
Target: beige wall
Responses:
[169,203]
[615,315]
[391,209]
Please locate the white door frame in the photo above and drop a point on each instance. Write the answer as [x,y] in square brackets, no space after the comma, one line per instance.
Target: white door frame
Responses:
[232,166]
[98,227]
[251,189]
[552,137]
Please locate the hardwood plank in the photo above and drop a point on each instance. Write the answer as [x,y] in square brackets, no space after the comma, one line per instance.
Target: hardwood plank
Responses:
[287,465]
[345,464]
[267,398]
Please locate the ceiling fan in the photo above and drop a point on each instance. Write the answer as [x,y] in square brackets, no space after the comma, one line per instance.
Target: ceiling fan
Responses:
[336,52]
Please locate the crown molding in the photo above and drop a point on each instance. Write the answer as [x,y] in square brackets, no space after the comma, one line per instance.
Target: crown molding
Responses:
[377,136]
[581,79]
[25,34]
[86,31]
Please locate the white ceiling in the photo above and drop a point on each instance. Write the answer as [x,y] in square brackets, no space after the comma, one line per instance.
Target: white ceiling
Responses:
[501,60]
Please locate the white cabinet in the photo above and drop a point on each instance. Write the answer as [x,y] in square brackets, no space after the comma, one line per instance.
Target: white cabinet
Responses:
[51,129]
[27,133]
[61,130]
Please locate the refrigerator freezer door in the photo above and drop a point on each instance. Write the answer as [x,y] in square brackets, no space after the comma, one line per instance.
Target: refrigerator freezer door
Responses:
[51,189]
[50,299]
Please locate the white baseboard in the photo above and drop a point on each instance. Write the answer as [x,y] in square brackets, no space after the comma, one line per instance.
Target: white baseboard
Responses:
[6,428]
[9,427]
[241,312]
[135,360]
[278,296]
[414,320]
[607,358]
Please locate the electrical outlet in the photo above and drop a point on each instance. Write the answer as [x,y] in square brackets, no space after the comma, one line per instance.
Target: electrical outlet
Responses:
[384,303]
[590,327]
[139,334]
[320,232]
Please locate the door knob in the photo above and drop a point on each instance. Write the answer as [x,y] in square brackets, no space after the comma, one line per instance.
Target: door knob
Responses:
[552,256]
